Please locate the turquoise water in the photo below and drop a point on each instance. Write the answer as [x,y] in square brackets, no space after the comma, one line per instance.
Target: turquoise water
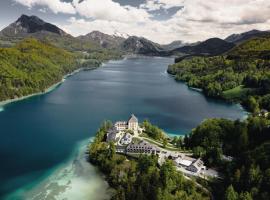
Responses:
[40,133]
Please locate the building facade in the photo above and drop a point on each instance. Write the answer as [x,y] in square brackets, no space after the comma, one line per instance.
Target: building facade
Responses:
[131,124]
[142,147]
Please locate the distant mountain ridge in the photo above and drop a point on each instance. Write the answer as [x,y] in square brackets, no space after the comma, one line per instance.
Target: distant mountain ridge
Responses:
[30,24]
[239,38]
[174,45]
[140,45]
[104,40]
[212,46]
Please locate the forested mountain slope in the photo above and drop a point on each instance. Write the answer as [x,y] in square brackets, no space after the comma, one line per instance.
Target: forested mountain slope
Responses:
[32,66]
[242,37]
[243,74]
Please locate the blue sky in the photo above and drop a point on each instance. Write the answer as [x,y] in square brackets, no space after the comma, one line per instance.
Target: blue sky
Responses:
[162,21]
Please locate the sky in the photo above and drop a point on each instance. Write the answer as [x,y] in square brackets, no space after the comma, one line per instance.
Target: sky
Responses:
[161,21]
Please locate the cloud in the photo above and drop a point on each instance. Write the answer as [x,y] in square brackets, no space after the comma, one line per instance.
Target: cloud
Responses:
[196,20]
[152,5]
[55,6]
[227,11]
[109,10]
[149,29]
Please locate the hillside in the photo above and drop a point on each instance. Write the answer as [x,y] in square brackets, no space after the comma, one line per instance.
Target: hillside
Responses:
[242,75]
[32,66]
[242,37]
[212,46]
[256,48]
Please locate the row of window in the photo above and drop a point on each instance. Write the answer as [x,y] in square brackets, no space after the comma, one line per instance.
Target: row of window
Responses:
[140,151]
[141,147]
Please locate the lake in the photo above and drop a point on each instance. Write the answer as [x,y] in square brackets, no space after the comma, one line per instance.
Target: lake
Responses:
[42,137]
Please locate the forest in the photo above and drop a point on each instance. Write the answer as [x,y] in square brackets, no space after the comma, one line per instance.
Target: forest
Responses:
[142,178]
[241,75]
[247,174]
[32,66]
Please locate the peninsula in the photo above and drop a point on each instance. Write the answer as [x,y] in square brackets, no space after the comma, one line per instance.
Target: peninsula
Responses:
[138,158]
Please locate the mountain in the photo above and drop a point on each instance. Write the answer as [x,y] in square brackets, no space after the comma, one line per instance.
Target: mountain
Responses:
[212,46]
[32,26]
[174,45]
[239,38]
[121,34]
[104,40]
[140,45]
[254,48]
[235,75]
[26,25]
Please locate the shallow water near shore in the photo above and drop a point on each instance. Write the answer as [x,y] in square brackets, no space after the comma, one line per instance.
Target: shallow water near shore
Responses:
[73,179]
[38,135]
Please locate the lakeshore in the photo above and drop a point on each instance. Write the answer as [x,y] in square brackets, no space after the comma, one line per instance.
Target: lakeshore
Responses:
[54,86]
[57,120]
[50,89]
[75,178]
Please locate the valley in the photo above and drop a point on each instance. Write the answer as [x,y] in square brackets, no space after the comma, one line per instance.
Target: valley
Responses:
[210,100]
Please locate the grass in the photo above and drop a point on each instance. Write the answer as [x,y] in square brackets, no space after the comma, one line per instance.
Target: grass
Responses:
[238,92]
[161,145]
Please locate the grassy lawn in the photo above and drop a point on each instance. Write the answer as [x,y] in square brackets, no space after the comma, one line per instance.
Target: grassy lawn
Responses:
[237,92]
[158,141]
[167,147]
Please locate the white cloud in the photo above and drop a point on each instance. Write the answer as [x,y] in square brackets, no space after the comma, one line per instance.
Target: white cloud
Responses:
[109,10]
[161,32]
[55,6]
[198,20]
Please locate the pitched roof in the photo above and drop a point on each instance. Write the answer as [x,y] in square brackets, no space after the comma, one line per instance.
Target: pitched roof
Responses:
[133,118]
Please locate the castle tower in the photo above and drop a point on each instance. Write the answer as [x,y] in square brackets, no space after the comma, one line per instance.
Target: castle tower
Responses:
[133,123]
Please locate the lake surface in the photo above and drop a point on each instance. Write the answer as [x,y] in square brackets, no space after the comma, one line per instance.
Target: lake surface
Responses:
[40,134]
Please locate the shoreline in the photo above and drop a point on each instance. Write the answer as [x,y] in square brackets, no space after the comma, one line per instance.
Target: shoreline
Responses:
[49,89]
[68,179]
[54,86]
[200,90]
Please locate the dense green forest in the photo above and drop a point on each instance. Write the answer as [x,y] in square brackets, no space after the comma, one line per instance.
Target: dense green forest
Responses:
[247,175]
[142,178]
[242,75]
[153,131]
[32,66]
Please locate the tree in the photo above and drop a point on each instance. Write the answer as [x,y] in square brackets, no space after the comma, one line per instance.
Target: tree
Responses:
[198,151]
[111,150]
[231,194]
[165,142]
[245,196]
[253,105]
